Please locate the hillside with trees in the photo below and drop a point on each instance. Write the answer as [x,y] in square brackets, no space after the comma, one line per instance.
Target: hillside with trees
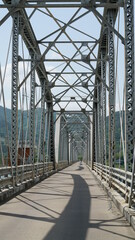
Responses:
[4,128]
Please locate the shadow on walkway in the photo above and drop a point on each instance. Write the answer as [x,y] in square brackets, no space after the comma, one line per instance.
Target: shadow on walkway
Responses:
[80,168]
[78,221]
[74,220]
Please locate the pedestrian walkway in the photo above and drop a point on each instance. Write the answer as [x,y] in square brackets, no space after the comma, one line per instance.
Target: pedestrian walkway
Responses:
[70,205]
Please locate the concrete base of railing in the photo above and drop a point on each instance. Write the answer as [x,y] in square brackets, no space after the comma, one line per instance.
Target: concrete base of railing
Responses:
[8,193]
[118,200]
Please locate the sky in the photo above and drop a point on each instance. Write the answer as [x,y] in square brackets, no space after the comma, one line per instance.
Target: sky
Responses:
[44,25]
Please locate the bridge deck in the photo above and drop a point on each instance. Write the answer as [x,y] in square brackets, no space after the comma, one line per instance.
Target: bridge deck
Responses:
[69,205]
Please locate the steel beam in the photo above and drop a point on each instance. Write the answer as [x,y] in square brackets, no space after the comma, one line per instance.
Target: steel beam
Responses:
[69,42]
[130,82]
[64,4]
[48,132]
[32,110]
[103,74]
[51,135]
[94,143]
[99,137]
[14,121]
[111,89]
[71,73]
[42,134]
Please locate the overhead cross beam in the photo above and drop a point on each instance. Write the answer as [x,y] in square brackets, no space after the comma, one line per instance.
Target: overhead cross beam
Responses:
[65,4]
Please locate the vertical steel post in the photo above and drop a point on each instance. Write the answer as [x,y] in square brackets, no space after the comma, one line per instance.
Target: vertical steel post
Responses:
[130,83]
[32,112]
[60,147]
[130,96]
[67,147]
[103,75]
[45,136]
[111,92]
[96,135]
[61,140]
[89,145]
[51,135]
[71,149]
[42,134]
[14,120]
[48,133]
[99,122]
[93,137]
[66,144]
[63,145]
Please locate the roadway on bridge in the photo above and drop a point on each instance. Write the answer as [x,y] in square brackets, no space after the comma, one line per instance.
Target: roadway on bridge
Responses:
[70,205]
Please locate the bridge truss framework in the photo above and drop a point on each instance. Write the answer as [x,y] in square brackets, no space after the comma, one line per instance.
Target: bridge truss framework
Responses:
[81,131]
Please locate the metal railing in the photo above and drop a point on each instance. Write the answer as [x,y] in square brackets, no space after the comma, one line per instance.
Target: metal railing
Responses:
[16,176]
[116,178]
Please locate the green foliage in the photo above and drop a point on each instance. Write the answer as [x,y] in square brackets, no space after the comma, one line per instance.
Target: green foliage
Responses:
[80,158]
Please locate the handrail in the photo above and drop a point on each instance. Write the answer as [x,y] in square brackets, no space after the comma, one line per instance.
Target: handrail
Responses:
[119,181]
[25,173]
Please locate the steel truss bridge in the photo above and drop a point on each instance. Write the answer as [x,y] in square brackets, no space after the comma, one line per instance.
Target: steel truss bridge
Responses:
[69,66]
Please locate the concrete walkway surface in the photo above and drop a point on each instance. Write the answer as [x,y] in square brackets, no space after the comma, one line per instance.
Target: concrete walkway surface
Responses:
[69,205]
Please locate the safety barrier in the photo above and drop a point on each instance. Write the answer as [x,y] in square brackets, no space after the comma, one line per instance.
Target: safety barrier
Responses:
[16,179]
[116,178]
